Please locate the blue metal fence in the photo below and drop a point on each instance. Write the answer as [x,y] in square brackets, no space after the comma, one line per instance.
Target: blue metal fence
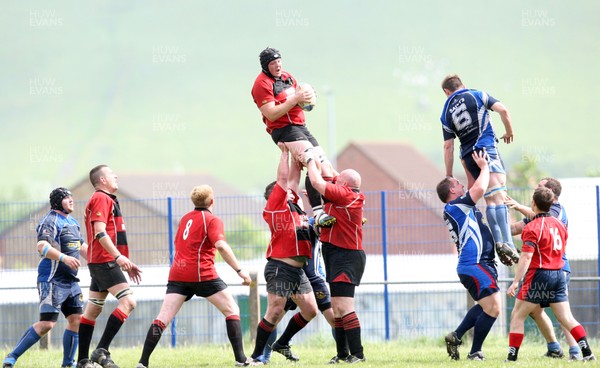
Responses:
[410,287]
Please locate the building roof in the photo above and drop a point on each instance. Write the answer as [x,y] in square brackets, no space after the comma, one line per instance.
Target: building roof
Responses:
[162,185]
[413,213]
[402,162]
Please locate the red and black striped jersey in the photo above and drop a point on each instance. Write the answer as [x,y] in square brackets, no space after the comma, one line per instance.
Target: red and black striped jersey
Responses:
[105,208]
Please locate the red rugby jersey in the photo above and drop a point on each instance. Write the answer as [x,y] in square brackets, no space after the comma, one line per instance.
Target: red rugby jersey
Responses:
[290,236]
[545,237]
[104,207]
[263,92]
[346,206]
[195,249]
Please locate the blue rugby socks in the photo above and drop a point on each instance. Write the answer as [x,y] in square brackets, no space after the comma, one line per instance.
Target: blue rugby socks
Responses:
[503,221]
[483,325]
[469,321]
[70,343]
[490,213]
[29,338]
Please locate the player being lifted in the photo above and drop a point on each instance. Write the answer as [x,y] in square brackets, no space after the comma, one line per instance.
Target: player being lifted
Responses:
[466,116]
[275,93]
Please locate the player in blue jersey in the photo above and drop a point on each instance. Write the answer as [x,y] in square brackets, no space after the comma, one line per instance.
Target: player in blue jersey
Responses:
[539,315]
[476,265]
[59,244]
[466,116]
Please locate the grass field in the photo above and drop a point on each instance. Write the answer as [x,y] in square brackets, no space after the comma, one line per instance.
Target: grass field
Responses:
[317,352]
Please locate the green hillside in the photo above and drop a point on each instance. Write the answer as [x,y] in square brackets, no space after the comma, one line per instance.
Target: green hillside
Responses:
[155,86]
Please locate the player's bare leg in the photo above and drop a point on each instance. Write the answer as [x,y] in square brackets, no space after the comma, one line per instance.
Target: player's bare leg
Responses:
[298,147]
[563,314]
[574,350]
[126,305]
[274,313]
[93,308]
[544,324]
[519,313]
[308,310]
[321,219]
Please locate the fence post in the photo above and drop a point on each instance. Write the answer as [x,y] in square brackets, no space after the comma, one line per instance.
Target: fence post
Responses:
[254,305]
[386,302]
[598,237]
[171,255]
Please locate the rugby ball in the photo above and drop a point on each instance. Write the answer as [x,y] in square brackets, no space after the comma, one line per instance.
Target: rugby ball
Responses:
[307,106]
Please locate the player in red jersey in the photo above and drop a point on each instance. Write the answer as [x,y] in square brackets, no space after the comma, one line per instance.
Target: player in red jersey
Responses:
[343,253]
[276,96]
[540,317]
[107,259]
[544,283]
[199,236]
[288,251]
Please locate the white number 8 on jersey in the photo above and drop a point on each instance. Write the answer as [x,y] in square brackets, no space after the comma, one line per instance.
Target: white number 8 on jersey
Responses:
[186,232]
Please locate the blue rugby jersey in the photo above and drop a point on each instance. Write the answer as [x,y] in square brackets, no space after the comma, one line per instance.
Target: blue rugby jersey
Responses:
[558,211]
[55,228]
[466,116]
[469,231]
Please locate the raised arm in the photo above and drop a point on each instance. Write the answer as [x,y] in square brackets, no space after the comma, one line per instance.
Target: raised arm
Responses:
[480,186]
[449,156]
[283,169]
[294,177]
[526,211]
[506,120]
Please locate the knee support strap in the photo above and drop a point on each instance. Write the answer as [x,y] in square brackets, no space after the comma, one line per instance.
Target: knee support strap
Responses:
[97,302]
[495,190]
[123,293]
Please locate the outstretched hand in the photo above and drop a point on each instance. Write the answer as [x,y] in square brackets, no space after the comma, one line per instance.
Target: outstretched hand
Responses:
[282,146]
[480,158]
[512,289]
[307,156]
[245,277]
[135,274]
[511,202]
[507,138]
